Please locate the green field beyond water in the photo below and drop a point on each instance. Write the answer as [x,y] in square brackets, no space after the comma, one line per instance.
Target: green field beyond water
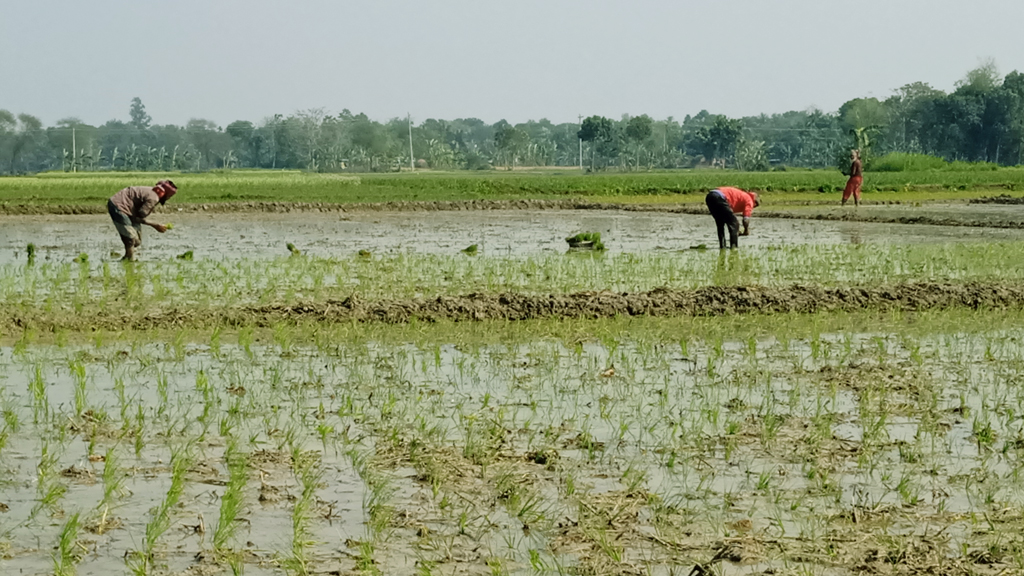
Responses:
[61,189]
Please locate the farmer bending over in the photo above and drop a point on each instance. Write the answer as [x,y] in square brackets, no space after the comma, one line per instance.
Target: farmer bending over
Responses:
[724,203]
[130,209]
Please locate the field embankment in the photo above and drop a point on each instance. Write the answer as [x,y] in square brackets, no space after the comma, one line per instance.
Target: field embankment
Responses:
[810,208]
[261,190]
[709,301]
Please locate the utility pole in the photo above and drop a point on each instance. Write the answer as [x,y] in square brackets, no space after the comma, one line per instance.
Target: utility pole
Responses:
[412,162]
[74,151]
[581,143]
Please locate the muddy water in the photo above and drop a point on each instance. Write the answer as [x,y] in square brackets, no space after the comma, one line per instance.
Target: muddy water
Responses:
[509,232]
[27,532]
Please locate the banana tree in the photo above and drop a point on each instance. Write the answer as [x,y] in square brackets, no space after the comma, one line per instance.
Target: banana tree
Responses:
[752,156]
[230,160]
[131,158]
[85,159]
[152,158]
[440,155]
[96,158]
[162,158]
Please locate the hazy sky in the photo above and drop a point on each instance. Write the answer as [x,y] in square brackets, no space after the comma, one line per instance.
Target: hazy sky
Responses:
[515,59]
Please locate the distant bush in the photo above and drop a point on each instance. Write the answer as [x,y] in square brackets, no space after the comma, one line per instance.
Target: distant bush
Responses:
[961,166]
[904,162]
[475,161]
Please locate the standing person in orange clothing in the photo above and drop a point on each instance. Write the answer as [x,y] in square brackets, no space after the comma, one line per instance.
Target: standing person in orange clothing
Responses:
[725,203]
[856,179]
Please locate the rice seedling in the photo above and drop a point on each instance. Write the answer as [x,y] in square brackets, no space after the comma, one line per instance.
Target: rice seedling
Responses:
[377,502]
[40,402]
[66,559]
[236,562]
[215,342]
[307,471]
[232,501]
[210,401]
[365,563]
[113,488]
[138,431]
[78,372]
[49,489]
[141,562]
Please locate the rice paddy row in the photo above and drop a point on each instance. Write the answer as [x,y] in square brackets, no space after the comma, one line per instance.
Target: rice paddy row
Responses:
[89,288]
[799,444]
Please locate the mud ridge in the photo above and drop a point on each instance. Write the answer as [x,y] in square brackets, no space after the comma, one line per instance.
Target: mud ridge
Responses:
[480,205]
[1001,199]
[286,207]
[709,301]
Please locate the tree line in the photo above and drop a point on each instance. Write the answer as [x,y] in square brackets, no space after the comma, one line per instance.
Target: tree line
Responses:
[982,120]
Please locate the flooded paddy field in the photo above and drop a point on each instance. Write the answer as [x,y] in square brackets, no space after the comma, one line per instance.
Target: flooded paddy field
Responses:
[824,444]
[833,398]
[495,232]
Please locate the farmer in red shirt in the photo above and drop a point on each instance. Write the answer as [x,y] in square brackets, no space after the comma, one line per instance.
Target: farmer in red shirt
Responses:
[130,209]
[856,179]
[724,203]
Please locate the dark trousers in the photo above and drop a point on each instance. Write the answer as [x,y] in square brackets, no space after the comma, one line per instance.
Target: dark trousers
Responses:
[722,212]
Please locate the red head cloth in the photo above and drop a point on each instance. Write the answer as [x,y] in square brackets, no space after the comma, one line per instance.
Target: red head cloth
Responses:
[166,190]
